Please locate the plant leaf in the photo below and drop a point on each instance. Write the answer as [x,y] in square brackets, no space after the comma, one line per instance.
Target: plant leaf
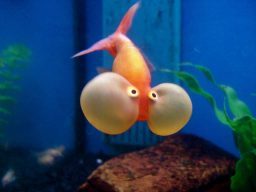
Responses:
[245,131]
[194,85]
[7,86]
[15,55]
[243,125]
[207,73]
[2,122]
[237,107]
[6,99]
[12,57]
[9,76]
[1,62]
[244,178]
[4,111]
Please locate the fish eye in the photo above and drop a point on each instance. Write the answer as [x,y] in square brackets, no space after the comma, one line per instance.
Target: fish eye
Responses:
[132,91]
[153,95]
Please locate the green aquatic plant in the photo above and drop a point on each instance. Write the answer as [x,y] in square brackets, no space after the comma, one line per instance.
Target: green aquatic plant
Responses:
[12,59]
[239,118]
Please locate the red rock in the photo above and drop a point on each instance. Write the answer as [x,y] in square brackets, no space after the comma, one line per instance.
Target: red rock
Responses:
[179,164]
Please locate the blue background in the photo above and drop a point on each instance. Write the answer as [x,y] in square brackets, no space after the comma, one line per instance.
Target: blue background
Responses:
[43,114]
[217,34]
[221,36]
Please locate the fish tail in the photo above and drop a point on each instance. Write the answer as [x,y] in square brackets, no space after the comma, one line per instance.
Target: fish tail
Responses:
[126,22]
[104,44]
[108,43]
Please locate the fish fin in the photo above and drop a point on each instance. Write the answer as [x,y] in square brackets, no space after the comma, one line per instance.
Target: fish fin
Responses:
[108,43]
[126,22]
[149,64]
[102,70]
[104,44]
[151,67]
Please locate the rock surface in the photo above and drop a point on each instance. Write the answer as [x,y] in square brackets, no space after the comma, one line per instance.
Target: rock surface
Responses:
[181,163]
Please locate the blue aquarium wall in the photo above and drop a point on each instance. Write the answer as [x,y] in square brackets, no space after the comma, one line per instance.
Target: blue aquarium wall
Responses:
[43,114]
[221,36]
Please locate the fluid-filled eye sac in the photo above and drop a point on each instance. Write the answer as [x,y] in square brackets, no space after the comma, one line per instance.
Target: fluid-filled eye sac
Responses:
[170,111]
[107,105]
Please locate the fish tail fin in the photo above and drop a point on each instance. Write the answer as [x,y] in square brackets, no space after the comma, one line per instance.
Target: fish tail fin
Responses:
[104,44]
[108,43]
[126,22]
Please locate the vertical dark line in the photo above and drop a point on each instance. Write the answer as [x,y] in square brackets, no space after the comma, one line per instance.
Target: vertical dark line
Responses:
[179,20]
[177,32]
[80,71]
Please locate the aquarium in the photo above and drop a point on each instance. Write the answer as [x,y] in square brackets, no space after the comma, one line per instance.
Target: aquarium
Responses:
[126,95]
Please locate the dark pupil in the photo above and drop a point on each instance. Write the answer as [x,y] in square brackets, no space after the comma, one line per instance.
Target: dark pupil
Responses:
[133,91]
[154,95]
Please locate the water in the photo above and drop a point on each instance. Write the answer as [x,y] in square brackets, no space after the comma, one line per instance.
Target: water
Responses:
[46,126]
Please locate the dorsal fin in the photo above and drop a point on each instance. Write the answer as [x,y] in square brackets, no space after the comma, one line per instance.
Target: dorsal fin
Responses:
[151,67]
[126,22]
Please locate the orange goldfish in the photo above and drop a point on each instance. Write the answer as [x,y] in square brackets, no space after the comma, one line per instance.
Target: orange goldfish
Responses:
[114,101]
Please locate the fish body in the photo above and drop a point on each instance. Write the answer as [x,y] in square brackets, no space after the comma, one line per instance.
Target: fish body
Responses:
[130,63]
[114,101]
[128,60]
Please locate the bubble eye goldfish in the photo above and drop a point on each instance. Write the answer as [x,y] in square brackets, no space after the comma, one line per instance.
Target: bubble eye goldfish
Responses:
[113,101]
